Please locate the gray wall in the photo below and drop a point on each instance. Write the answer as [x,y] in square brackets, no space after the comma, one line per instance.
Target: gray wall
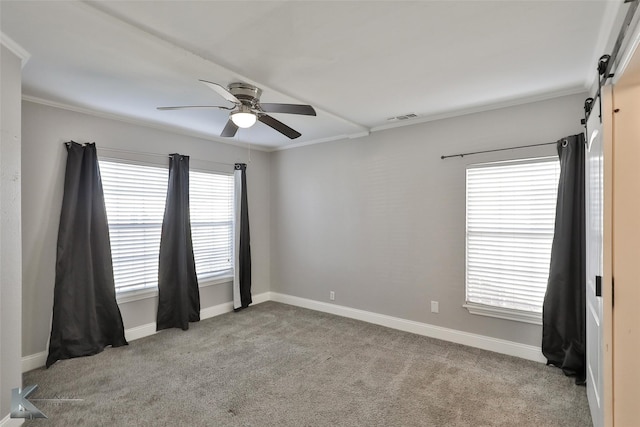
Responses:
[10,242]
[43,164]
[381,220]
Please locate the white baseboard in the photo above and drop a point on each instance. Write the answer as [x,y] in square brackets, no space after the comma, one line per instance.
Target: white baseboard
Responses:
[141,331]
[148,329]
[260,298]
[11,422]
[38,360]
[497,345]
[33,361]
[473,340]
[216,310]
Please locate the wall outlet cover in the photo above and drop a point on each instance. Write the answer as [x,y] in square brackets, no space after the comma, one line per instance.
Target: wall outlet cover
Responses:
[434,307]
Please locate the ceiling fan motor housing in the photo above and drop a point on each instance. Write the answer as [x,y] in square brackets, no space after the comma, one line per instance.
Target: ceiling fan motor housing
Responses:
[246,93]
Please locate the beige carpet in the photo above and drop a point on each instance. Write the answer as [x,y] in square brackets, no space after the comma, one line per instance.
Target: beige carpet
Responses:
[279,365]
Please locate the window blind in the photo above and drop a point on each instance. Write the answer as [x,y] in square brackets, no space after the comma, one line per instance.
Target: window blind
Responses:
[135,197]
[211,208]
[510,223]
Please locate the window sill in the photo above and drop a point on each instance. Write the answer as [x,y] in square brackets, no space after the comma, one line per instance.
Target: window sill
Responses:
[505,313]
[125,297]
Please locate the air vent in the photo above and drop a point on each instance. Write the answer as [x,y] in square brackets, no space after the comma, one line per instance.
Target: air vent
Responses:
[403,117]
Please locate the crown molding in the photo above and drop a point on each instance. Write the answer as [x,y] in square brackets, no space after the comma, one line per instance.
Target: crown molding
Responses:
[446,115]
[322,140]
[139,122]
[482,108]
[424,119]
[15,48]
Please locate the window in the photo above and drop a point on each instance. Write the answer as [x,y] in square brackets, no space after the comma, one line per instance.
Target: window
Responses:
[211,209]
[135,197]
[510,222]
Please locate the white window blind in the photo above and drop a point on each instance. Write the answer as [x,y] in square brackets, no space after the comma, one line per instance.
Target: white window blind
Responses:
[510,223]
[211,208]
[135,198]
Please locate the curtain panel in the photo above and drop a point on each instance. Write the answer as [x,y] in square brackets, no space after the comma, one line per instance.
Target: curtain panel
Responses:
[86,317]
[563,314]
[242,245]
[178,293]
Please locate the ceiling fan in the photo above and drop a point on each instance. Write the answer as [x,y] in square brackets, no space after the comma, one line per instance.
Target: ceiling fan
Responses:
[248,109]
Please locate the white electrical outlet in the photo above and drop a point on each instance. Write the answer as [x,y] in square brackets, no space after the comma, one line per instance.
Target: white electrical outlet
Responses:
[434,307]
[332,295]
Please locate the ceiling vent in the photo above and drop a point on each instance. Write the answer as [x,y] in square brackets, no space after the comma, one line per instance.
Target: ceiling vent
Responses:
[403,117]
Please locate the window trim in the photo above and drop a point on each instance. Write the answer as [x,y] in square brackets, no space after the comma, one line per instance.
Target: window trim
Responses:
[123,297]
[474,308]
[504,313]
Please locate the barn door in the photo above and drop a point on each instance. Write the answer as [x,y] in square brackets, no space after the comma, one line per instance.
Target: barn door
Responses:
[594,215]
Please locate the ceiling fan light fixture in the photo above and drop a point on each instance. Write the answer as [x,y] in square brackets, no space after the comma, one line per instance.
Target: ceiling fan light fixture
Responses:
[243,118]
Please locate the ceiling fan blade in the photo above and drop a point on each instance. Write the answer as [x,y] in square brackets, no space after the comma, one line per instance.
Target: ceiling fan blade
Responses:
[222,91]
[306,110]
[230,129]
[180,107]
[279,126]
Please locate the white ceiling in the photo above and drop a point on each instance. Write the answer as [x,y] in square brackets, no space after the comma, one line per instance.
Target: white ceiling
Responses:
[357,62]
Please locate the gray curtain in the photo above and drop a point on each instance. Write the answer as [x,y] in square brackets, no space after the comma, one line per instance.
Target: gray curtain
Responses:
[178,294]
[86,317]
[564,315]
[242,275]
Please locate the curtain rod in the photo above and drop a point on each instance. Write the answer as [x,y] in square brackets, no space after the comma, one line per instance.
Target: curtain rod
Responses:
[497,149]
